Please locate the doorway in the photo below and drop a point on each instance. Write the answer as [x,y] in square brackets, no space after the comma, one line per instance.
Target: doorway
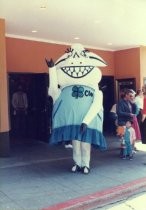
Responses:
[35,124]
[122,84]
[106,85]
[38,118]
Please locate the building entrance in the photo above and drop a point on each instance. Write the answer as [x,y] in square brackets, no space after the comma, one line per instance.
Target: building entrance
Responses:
[107,87]
[30,110]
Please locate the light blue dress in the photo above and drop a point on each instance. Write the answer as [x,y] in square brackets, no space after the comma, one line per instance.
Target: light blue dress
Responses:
[68,113]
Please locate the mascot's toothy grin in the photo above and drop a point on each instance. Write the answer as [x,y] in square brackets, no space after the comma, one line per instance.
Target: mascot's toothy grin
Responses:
[77,71]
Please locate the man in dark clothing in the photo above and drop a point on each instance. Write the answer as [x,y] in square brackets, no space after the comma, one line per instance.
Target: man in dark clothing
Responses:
[126,108]
[20,105]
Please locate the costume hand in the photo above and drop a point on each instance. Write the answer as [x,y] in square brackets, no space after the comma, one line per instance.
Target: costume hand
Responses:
[50,63]
[83,127]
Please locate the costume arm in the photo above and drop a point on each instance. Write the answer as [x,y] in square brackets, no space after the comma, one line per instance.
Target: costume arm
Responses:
[96,107]
[53,91]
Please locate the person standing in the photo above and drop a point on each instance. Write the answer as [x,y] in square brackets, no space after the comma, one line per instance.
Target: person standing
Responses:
[78,104]
[143,122]
[135,124]
[139,100]
[20,105]
[128,141]
[126,110]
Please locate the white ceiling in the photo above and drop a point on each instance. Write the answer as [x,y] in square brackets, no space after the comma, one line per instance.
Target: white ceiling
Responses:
[101,24]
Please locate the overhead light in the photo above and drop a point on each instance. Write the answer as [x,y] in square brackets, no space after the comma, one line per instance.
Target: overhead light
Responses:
[76,38]
[109,43]
[34,31]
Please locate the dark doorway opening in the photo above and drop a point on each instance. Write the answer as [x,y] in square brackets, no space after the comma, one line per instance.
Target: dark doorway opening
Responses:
[106,85]
[122,84]
[36,122]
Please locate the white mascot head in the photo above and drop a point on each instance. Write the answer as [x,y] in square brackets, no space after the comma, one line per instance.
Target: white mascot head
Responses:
[79,66]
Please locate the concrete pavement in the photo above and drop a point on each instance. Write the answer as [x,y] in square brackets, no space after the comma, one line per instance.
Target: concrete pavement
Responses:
[37,176]
[135,202]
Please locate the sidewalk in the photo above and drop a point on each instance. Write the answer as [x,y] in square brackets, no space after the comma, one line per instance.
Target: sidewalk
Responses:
[136,202]
[37,176]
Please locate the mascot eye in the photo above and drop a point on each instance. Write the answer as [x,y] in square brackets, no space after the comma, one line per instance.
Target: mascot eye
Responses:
[84,53]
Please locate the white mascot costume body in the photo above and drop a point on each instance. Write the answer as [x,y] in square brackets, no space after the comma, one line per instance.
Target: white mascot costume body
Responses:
[77,110]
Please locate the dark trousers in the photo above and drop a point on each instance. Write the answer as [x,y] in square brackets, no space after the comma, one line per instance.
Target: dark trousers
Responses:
[20,123]
[143,131]
[112,123]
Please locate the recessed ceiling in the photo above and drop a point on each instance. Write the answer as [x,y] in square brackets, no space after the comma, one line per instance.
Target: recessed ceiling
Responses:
[101,24]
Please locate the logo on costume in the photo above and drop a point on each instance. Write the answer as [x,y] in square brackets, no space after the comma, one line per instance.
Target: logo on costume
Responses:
[79,92]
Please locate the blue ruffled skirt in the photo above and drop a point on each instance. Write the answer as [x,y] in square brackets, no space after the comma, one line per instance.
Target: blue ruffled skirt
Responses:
[68,113]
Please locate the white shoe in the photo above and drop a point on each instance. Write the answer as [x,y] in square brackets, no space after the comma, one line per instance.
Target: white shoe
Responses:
[85,170]
[68,146]
[134,152]
[76,168]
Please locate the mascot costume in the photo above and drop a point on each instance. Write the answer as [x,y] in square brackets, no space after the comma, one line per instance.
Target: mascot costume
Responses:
[77,109]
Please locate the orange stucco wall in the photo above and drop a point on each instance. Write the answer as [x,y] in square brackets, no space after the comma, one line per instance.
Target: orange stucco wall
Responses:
[108,56]
[127,64]
[29,56]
